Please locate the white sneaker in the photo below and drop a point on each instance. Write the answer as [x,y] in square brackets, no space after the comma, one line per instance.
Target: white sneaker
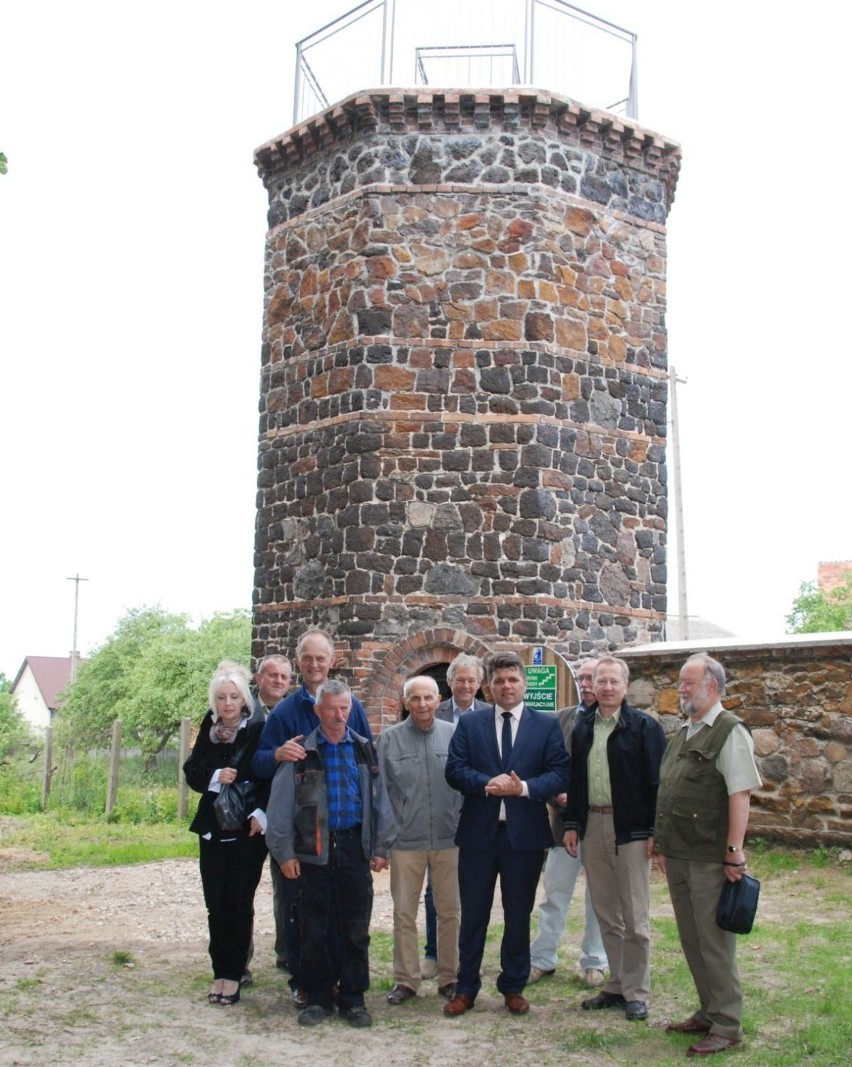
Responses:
[593,977]
[428,968]
[536,974]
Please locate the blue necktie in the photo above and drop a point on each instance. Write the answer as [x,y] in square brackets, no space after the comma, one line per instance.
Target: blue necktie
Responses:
[506,740]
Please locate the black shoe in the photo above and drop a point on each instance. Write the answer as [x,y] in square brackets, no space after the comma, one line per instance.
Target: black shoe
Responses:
[636,1009]
[603,1000]
[356,1016]
[313,1014]
[447,991]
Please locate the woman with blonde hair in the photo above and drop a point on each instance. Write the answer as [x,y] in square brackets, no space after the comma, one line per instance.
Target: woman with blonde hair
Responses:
[231,855]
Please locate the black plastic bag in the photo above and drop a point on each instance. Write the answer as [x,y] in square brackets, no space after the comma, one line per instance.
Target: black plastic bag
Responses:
[233,805]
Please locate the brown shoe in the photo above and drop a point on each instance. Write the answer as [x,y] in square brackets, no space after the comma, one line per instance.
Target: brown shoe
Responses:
[400,993]
[712,1044]
[516,1004]
[460,1003]
[688,1026]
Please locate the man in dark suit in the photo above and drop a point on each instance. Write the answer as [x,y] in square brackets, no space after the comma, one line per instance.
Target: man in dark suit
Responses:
[506,761]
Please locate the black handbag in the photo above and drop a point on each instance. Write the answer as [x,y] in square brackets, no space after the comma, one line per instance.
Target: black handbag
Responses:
[235,801]
[738,905]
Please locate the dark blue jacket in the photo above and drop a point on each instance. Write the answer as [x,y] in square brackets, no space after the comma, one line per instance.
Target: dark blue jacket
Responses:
[538,758]
[294,716]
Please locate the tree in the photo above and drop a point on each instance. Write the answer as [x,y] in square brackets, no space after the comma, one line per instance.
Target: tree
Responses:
[149,674]
[817,611]
[3,163]
[15,732]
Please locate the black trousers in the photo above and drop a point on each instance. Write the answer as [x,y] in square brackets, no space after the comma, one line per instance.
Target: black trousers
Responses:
[336,906]
[230,872]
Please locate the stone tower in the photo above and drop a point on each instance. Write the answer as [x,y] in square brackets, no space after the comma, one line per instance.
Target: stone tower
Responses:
[463,397]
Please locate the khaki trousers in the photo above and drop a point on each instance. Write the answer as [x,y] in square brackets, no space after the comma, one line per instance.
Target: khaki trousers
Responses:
[620,883]
[710,951]
[407,872]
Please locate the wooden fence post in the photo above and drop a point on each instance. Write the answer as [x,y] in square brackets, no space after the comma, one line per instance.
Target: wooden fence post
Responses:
[114,754]
[48,767]
[183,789]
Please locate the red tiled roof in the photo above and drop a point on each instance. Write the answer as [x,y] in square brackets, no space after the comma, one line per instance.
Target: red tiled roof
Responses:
[52,674]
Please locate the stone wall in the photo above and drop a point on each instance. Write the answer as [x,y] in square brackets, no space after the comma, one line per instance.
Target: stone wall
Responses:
[463,394]
[796,696]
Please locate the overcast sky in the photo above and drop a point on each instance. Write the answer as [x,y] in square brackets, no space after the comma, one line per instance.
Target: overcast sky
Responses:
[132,225]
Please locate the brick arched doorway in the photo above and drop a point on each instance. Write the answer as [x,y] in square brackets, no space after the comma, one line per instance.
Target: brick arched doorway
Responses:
[417,654]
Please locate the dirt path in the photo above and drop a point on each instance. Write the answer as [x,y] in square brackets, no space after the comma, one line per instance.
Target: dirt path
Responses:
[65,1000]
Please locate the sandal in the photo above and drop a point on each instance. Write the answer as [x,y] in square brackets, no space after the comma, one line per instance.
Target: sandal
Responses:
[231,998]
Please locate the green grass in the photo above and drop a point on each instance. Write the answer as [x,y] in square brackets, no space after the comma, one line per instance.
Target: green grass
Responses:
[59,841]
[794,966]
[79,788]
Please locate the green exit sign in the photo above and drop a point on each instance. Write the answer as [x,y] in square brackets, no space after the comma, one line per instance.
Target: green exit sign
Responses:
[541,688]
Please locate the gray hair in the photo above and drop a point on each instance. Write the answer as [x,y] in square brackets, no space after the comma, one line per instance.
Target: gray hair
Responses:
[334,687]
[462,660]
[314,631]
[588,661]
[608,661]
[406,687]
[273,657]
[712,667]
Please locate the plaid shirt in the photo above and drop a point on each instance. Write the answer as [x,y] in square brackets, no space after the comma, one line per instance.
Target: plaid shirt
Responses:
[343,781]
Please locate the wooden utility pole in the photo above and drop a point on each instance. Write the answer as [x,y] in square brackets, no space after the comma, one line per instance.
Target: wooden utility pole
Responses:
[74,653]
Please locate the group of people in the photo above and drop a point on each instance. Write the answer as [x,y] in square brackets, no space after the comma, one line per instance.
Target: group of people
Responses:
[457,795]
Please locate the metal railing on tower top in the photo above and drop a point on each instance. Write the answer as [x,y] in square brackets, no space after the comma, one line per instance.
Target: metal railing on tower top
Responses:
[459,44]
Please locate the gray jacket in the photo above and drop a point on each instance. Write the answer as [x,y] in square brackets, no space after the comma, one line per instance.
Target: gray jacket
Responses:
[567,717]
[418,810]
[445,709]
[297,814]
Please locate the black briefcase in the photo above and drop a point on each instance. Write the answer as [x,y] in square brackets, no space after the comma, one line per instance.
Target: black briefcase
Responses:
[738,905]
